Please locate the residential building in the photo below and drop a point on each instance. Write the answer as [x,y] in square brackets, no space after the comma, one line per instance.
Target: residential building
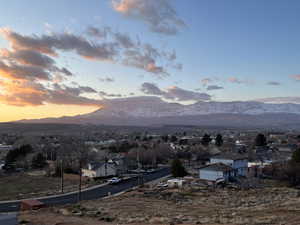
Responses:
[95,170]
[215,172]
[238,162]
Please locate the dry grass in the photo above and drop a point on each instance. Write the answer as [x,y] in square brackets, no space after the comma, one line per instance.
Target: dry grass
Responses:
[24,185]
[253,207]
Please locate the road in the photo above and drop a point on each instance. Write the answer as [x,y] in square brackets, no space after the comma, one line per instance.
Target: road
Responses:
[96,193]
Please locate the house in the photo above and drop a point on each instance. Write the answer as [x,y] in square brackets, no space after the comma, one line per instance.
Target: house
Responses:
[215,172]
[238,162]
[5,147]
[95,170]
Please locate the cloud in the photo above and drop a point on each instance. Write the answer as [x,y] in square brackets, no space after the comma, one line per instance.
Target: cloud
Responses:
[180,94]
[22,72]
[105,94]
[28,57]
[124,40]
[29,73]
[206,81]
[296,77]
[49,44]
[213,87]
[151,89]
[106,79]
[28,93]
[116,47]
[159,15]
[234,80]
[280,100]
[99,33]
[174,93]
[273,83]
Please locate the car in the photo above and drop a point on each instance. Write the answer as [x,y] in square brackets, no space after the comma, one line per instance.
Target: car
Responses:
[114,180]
[150,171]
[162,185]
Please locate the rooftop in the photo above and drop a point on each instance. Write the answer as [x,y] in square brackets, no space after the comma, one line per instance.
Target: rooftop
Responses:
[217,167]
[231,156]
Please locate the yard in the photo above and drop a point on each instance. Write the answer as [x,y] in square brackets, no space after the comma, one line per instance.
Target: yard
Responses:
[28,185]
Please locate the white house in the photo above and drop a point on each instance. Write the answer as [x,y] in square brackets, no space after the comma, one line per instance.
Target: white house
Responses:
[95,170]
[239,163]
[215,172]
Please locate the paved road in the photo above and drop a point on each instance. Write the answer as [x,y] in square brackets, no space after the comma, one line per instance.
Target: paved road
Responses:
[8,219]
[89,194]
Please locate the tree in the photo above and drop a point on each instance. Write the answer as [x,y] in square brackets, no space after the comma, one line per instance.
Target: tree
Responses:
[260,140]
[177,169]
[165,138]
[293,169]
[219,140]
[206,139]
[173,138]
[17,154]
[38,161]
[296,156]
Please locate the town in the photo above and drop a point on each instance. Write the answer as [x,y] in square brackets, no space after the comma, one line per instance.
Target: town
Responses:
[35,165]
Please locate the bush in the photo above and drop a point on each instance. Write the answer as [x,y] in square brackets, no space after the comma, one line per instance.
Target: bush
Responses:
[177,169]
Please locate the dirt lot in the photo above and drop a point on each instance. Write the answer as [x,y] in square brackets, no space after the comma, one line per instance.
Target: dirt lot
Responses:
[189,206]
[27,185]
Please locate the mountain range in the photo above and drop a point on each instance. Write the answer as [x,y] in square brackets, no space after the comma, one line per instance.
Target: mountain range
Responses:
[150,111]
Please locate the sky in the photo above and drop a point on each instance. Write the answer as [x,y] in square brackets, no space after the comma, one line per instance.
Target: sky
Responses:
[64,57]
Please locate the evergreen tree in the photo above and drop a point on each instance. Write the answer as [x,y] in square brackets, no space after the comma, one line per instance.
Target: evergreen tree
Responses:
[296,156]
[219,140]
[15,154]
[260,140]
[173,138]
[177,169]
[206,139]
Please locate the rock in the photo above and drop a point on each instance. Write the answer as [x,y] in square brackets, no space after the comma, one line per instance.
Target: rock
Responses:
[77,214]
[64,212]
[154,220]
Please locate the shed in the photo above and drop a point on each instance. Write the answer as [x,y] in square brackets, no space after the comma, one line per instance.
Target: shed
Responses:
[175,183]
[31,204]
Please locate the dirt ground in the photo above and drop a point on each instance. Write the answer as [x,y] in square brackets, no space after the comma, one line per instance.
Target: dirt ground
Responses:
[28,185]
[265,206]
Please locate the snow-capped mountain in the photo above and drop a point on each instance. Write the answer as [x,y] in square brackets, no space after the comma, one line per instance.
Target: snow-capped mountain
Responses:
[144,110]
[155,107]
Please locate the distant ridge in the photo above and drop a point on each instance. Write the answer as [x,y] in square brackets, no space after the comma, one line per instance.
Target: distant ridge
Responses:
[147,111]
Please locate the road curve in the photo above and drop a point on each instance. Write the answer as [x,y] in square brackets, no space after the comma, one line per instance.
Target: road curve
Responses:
[95,193]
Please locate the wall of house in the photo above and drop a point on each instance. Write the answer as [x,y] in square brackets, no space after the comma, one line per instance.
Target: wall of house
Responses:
[109,171]
[88,173]
[211,175]
[240,166]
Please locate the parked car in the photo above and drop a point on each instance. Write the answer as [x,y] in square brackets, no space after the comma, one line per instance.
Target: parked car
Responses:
[162,185]
[150,171]
[114,180]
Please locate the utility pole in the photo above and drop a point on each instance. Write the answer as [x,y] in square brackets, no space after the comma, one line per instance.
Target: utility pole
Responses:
[80,180]
[62,176]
